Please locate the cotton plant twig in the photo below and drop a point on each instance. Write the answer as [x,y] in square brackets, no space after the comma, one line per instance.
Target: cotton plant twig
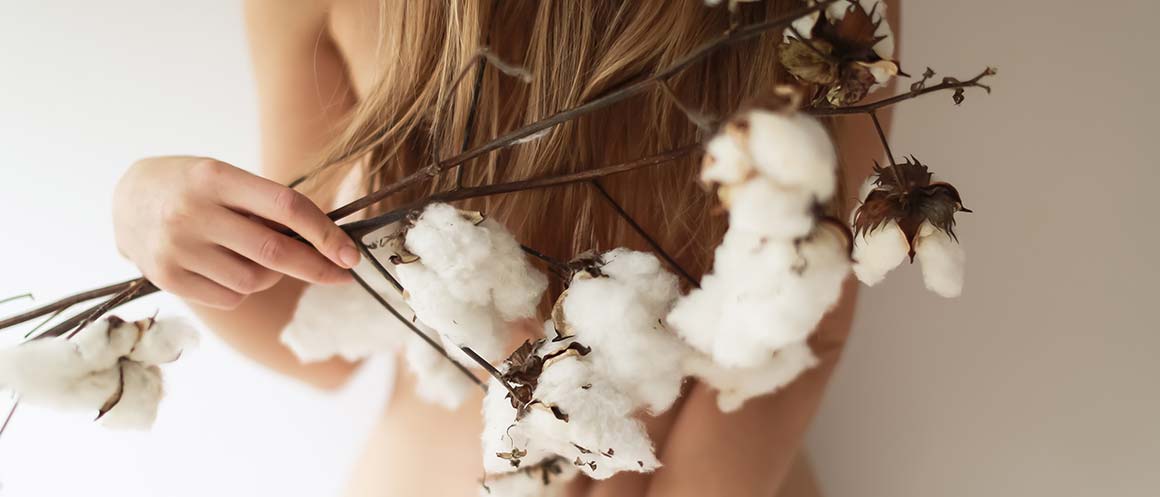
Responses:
[947,84]
[11,413]
[617,95]
[411,326]
[656,246]
[363,227]
[897,176]
[66,302]
[15,298]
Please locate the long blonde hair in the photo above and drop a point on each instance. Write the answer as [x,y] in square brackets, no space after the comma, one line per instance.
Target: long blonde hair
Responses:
[575,51]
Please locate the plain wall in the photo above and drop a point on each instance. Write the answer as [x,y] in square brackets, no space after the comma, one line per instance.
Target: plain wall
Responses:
[1040,380]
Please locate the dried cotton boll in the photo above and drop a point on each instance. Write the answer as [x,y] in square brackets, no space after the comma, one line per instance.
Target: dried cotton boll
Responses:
[878,252]
[619,316]
[735,386]
[591,425]
[104,342]
[437,380]
[54,373]
[140,396]
[164,341]
[943,261]
[343,321]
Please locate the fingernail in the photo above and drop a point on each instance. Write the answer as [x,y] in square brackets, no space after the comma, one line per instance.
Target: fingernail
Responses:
[348,256]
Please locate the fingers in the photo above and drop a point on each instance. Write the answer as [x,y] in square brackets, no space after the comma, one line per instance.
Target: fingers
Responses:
[292,209]
[231,270]
[195,288]
[273,250]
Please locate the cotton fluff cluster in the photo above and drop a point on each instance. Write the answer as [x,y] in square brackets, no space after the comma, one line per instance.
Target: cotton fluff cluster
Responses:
[471,279]
[617,310]
[110,367]
[737,385]
[437,379]
[778,269]
[343,321]
[880,250]
[883,48]
[577,414]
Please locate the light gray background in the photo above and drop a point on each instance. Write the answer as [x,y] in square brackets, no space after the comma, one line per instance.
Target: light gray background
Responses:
[1040,380]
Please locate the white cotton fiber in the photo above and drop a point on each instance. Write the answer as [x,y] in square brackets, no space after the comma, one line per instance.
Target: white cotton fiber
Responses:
[943,261]
[109,363]
[762,296]
[470,280]
[794,151]
[735,386]
[141,394]
[725,161]
[164,342]
[344,321]
[762,208]
[437,379]
[620,317]
[52,372]
[879,251]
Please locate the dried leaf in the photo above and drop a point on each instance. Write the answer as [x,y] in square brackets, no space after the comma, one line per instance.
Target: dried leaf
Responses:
[809,61]
[116,397]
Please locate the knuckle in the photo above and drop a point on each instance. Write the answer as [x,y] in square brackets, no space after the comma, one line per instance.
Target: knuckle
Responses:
[206,172]
[177,212]
[246,281]
[271,250]
[288,201]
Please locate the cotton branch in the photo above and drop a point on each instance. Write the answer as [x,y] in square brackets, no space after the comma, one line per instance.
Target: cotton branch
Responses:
[617,95]
[947,84]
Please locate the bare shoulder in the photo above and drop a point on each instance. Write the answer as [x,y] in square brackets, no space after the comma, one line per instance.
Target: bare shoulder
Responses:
[278,17]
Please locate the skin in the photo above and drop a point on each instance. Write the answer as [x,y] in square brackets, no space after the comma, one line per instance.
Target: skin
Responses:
[203,230]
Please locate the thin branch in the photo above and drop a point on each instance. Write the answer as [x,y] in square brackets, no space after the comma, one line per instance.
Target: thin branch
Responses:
[142,289]
[490,370]
[108,305]
[555,265]
[656,246]
[359,228]
[16,297]
[426,338]
[947,84]
[67,302]
[380,268]
[615,96]
[889,154]
[11,413]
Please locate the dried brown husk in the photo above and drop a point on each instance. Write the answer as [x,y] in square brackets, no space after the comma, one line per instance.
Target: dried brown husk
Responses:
[921,200]
[837,55]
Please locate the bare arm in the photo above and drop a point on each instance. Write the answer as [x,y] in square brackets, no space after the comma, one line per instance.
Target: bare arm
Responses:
[303,92]
[201,229]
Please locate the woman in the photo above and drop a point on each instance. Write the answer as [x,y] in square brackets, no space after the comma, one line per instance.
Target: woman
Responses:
[371,84]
